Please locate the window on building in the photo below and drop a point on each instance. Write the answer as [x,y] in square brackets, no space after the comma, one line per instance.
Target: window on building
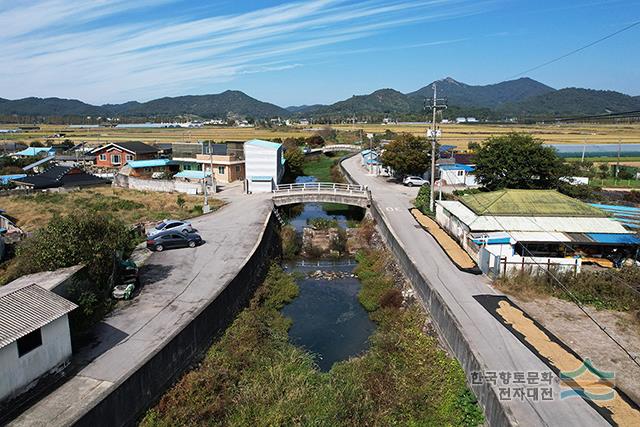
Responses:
[115,159]
[221,170]
[237,168]
[129,157]
[29,342]
[103,157]
[460,173]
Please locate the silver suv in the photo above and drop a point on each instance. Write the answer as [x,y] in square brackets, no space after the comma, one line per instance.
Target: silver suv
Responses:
[171,224]
[410,181]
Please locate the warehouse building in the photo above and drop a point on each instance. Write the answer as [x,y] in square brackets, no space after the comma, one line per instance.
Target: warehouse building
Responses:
[516,228]
[264,165]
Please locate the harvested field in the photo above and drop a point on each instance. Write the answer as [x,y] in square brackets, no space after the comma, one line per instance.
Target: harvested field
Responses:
[33,211]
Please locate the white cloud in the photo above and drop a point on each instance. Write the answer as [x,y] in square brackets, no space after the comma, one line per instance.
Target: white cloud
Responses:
[86,50]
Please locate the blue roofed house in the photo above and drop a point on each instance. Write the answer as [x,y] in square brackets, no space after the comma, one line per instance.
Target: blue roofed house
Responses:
[35,152]
[264,165]
[457,174]
[151,168]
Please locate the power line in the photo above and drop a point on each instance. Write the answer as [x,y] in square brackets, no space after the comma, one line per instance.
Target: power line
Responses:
[574,298]
[576,50]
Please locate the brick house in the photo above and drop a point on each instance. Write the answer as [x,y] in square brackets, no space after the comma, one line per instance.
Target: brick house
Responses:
[115,155]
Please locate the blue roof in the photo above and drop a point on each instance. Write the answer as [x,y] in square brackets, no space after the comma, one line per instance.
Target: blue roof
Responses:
[4,179]
[457,167]
[135,164]
[614,208]
[34,151]
[444,148]
[192,174]
[264,144]
[261,178]
[610,238]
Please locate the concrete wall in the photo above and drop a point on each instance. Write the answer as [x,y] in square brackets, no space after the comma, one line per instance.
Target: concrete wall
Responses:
[18,373]
[136,394]
[159,185]
[449,331]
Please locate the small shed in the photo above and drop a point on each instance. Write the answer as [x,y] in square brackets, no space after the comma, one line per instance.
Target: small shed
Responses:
[34,335]
[457,174]
[264,165]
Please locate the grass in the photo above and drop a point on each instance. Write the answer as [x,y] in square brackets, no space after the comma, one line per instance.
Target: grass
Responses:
[615,183]
[255,376]
[600,289]
[34,211]
[528,202]
[323,168]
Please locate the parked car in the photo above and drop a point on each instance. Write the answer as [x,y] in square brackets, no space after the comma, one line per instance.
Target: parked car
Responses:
[173,239]
[306,150]
[410,181]
[171,224]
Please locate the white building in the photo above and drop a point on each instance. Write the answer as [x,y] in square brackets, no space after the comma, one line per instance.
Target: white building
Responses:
[457,174]
[264,165]
[34,336]
[513,229]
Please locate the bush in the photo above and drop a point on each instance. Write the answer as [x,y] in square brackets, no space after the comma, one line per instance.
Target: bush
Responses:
[290,242]
[94,239]
[600,289]
[578,191]
[322,223]
[423,199]
[180,201]
[633,196]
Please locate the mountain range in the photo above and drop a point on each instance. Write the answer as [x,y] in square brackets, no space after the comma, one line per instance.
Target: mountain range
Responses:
[522,98]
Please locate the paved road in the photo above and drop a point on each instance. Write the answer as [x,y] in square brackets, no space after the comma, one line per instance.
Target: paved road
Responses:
[496,348]
[176,284]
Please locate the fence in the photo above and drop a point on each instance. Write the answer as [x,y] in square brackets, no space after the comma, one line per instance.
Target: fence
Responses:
[495,265]
[321,187]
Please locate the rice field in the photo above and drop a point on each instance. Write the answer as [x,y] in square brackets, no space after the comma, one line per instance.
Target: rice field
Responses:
[452,134]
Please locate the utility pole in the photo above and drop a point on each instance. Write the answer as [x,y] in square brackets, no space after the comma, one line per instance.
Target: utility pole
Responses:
[433,133]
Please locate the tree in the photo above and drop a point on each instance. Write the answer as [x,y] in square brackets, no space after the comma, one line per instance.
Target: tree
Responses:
[315,141]
[86,237]
[517,160]
[294,157]
[407,155]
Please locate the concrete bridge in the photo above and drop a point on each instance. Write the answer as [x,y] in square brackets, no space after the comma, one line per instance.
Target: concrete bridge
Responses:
[322,192]
[336,148]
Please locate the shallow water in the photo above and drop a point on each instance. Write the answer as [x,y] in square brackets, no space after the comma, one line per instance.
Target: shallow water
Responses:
[328,319]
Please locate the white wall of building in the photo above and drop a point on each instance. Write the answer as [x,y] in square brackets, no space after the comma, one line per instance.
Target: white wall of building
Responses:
[16,373]
[261,161]
[457,177]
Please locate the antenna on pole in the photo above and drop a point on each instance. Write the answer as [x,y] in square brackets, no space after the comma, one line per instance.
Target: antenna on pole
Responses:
[434,104]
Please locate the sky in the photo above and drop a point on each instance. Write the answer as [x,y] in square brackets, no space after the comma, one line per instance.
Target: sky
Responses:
[306,52]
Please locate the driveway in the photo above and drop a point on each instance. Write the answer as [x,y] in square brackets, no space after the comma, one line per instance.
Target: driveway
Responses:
[175,284]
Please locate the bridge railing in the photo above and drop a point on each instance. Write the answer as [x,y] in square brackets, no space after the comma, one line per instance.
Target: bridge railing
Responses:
[321,187]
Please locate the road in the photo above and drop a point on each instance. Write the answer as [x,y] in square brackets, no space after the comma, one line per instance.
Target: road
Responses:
[495,347]
[175,285]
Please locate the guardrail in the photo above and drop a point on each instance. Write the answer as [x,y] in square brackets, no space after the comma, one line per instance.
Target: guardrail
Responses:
[321,187]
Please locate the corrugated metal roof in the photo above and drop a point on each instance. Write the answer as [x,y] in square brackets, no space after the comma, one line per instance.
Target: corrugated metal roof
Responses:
[192,174]
[135,164]
[531,223]
[457,166]
[24,309]
[615,239]
[539,236]
[34,151]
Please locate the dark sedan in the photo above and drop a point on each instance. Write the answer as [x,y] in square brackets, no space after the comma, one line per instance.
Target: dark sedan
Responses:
[175,239]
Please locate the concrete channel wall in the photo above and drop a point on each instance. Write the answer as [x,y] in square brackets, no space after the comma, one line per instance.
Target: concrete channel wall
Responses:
[444,321]
[135,394]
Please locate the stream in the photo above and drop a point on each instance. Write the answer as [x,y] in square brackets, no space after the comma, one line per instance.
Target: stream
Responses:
[328,320]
